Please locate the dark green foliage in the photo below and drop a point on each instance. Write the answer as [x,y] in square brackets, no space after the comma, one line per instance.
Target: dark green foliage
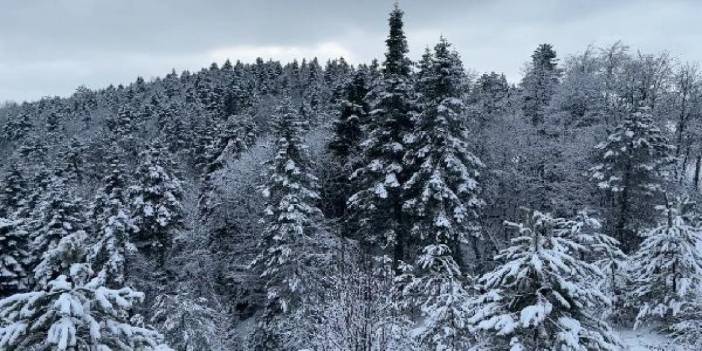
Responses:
[539,83]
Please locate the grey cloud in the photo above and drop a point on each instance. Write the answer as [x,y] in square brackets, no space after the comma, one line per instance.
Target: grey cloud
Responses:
[49,47]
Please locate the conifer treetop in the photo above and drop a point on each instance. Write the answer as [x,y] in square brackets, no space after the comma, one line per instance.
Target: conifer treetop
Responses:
[396,61]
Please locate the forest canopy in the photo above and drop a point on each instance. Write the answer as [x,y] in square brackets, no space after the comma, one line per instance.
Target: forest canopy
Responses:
[388,205]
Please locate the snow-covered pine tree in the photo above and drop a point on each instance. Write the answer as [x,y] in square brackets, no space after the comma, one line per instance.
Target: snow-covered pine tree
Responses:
[157,208]
[490,95]
[13,190]
[112,225]
[72,162]
[17,127]
[539,83]
[437,287]
[34,150]
[376,207]
[345,145]
[291,245]
[187,322]
[61,214]
[688,328]
[352,115]
[441,200]
[441,194]
[666,271]
[540,297]
[597,248]
[123,128]
[70,311]
[54,127]
[236,135]
[28,214]
[14,237]
[13,257]
[630,168]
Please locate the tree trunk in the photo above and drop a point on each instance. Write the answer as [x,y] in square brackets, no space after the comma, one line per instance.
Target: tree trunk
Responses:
[698,164]
[623,213]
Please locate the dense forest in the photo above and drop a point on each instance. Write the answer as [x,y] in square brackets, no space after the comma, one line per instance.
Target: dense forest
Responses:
[394,205]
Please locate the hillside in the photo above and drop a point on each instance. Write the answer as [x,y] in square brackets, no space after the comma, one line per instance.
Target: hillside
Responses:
[393,205]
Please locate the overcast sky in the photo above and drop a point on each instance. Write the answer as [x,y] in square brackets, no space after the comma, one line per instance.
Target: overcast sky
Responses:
[50,47]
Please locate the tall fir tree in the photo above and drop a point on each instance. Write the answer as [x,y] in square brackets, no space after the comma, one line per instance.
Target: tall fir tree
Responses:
[61,215]
[345,146]
[631,165]
[291,242]
[17,127]
[441,200]
[113,226]
[376,207]
[13,190]
[29,215]
[14,257]
[441,194]
[72,162]
[352,115]
[539,83]
[490,94]
[156,199]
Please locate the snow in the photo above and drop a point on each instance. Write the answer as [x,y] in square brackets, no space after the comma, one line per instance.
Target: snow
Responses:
[647,340]
[380,191]
[6,223]
[535,314]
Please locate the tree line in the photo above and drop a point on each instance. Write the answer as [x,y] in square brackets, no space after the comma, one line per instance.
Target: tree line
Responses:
[401,206]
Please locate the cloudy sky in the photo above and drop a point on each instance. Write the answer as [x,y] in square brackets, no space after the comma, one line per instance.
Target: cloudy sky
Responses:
[49,47]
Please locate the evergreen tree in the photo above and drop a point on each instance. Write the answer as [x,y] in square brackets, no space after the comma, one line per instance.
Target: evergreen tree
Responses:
[631,165]
[667,269]
[441,198]
[61,215]
[156,198]
[290,246]
[72,163]
[187,322]
[597,248]
[122,124]
[345,146]
[490,93]
[174,129]
[236,136]
[113,227]
[53,126]
[352,115]
[540,297]
[28,213]
[539,83]
[227,66]
[71,311]
[13,190]
[123,129]
[34,150]
[376,206]
[396,60]
[441,194]
[13,258]
[687,330]
[17,127]
[438,288]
